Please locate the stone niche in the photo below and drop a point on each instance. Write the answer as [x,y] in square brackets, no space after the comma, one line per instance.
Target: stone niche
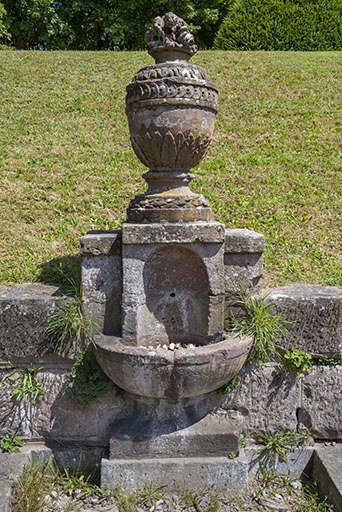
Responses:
[155,282]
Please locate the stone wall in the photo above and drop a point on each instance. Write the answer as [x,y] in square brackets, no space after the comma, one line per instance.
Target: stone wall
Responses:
[265,399]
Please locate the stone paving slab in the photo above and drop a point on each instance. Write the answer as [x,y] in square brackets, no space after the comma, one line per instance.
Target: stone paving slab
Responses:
[327,472]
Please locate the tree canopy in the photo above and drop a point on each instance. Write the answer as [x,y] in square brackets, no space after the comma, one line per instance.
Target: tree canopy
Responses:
[102,24]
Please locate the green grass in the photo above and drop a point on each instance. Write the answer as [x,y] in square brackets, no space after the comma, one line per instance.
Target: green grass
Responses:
[67,166]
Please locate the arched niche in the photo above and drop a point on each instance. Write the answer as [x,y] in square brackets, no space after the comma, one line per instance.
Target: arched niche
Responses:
[176,287]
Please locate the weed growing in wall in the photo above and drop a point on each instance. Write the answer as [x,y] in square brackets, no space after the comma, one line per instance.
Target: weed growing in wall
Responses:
[297,361]
[276,444]
[260,321]
[24,384]
[87,382]
[10,444]
[267,328]
[67,328]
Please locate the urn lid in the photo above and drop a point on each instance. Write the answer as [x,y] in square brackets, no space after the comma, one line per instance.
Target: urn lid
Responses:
[170,39]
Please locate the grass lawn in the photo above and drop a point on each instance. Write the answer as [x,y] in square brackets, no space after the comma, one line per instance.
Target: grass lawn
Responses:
[275,165]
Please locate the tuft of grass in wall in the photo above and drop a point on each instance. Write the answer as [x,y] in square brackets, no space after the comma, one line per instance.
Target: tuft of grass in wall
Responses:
[67,328]
[260,321]
[87,382]
[276,444]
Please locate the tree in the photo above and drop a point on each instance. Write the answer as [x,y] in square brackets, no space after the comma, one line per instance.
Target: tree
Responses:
[33,23]
[307,25]
[4,34]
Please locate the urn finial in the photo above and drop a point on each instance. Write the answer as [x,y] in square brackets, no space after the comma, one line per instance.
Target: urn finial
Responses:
[170,39]
[171,107]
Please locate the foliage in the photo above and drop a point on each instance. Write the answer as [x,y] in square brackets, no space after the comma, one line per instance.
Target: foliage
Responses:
[329,361]
[274,166]
[33,491]
[282,25]
[68,328]
[34,24]
[260,321]
[24,384]
[297,361]
[275,444]
[149,495]
[4,34]
[193,500]
[226,389]
[87,382]
[109,24]
[30,492]
[10,443]
[312,501]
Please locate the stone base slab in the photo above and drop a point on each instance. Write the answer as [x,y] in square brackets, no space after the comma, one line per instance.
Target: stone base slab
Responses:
[216,473]
[211,436]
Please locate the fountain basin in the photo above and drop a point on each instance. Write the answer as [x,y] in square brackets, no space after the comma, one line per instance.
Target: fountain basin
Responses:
[163,373]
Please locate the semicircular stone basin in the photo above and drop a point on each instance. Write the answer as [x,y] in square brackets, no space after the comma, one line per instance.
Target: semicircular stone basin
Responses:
[162,373]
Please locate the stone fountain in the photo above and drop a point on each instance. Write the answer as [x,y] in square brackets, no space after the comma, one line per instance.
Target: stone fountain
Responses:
[159,290]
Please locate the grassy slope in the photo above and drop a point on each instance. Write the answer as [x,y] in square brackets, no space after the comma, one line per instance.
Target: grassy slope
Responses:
[66,164]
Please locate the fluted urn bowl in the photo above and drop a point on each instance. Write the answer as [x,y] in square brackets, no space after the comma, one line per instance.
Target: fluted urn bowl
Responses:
[171,108]
[162,373]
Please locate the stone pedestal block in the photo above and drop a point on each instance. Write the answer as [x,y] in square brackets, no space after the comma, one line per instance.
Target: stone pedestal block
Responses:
[210,437]
[314,316]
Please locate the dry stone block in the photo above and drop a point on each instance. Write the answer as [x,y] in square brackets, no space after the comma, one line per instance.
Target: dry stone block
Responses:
[24,311]
[55,416]
[59,418]
[314,315]
[265,399]
[321,402]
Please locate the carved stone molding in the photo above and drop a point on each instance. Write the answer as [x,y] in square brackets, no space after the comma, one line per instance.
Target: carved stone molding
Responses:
[163,149]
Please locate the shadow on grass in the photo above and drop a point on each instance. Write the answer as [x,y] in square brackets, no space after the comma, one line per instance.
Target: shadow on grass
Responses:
[64,271]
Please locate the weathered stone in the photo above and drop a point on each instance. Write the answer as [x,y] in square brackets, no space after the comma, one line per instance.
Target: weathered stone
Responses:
[24,313]
[209,437]
[327,473]
[239,241]
[101,243]
[196,473]
[55,416]
[160,373]
[172,292]
[192,232]
[101,293]
[320,402]
[265,399]
[314,316]
[171,108]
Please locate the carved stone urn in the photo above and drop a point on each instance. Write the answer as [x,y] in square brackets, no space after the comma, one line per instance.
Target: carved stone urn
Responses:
[171,108]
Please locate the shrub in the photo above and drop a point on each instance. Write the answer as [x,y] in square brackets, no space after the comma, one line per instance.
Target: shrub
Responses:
[303,25]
